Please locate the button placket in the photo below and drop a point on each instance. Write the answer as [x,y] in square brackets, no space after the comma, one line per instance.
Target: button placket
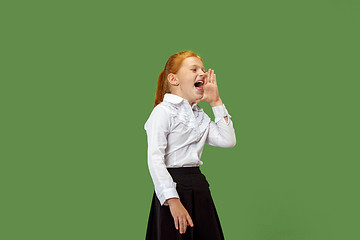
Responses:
[194,115]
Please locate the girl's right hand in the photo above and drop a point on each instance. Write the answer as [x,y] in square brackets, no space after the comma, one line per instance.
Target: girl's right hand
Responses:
[180,215]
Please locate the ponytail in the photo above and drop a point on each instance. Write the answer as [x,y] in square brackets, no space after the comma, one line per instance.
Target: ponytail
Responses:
[160,86]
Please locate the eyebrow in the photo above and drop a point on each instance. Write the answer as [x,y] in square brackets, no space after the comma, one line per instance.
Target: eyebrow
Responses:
[197,66]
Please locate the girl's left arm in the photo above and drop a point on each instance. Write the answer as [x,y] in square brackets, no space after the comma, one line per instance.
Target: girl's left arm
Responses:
[221,132]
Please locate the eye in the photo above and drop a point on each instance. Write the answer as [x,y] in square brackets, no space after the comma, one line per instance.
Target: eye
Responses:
[193,69]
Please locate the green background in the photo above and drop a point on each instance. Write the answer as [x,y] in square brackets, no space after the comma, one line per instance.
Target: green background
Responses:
[78,81]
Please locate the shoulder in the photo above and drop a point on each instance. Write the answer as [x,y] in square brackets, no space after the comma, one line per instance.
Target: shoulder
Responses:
[160,116]
[161,108]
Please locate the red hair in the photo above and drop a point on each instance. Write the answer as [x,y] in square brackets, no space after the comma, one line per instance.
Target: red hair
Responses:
[172,66]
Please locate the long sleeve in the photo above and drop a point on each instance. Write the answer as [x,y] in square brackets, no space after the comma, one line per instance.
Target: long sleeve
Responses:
[221,134]
[157,128]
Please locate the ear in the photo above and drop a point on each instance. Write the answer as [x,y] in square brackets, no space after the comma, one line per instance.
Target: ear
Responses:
[173,80]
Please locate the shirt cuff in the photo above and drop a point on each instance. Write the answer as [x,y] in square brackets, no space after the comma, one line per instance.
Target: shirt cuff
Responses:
[166,194]
[220,112]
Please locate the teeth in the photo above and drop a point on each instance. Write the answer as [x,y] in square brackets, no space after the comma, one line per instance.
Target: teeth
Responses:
[202,81]
[199,83]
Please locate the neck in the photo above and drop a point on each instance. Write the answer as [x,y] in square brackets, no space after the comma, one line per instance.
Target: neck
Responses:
[179,95]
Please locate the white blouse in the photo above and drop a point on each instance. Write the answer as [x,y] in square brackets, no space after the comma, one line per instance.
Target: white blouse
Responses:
[176,135]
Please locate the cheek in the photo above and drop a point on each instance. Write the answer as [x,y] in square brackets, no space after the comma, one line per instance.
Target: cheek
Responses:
[190,86]
[190,83]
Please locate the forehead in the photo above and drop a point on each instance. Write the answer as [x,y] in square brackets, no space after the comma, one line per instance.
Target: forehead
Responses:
[192,61]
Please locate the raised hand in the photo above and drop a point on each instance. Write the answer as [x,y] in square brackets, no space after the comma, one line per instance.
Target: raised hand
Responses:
[211,92]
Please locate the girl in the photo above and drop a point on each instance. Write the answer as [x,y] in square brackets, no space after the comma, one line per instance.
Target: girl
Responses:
[177,131]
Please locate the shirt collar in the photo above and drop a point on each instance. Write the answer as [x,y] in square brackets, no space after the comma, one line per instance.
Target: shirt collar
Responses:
[172,98]
[175,99]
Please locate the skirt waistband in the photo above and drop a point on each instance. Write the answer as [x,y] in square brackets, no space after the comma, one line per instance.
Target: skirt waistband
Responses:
[184,170]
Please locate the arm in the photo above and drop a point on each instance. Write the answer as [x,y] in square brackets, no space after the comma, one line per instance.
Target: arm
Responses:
[221,132]
[157,128]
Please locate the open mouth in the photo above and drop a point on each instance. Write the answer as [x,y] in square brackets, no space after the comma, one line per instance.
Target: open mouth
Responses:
[199,83]
[199,86]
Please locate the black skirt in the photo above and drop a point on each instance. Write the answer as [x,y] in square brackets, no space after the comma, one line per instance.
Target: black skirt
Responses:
[194,193]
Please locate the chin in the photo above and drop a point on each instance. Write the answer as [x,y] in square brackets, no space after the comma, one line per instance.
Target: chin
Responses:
[199,95]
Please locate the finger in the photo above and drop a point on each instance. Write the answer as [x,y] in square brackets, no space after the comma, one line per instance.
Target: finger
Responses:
[206,77]
[176,223]
[190,221]
[185,225]
[212,76]
[181,223]
[215,78]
